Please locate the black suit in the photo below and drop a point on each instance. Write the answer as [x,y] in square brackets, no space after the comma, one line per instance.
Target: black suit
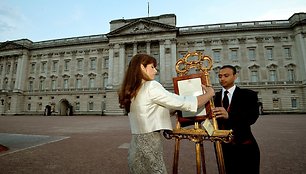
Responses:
[242,155]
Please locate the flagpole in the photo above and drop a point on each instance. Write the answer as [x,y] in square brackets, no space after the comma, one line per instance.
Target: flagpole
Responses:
[148,9]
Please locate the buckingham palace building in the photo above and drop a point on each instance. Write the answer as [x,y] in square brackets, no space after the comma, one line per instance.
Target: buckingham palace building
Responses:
[81,75]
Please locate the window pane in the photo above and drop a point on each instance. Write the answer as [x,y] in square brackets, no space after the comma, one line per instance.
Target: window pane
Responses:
[234,55]
[93,64]
[272,75]
[90,106]
[65,83]
[290,75]
[269,54]
[252,54]
[287,52]
[80,64]
[294,103]
[217,56]
[78,83]
[254,76]
[275,103]
[91,83]
[53,84]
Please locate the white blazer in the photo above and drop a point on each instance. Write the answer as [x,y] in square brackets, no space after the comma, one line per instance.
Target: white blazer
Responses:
[150,109]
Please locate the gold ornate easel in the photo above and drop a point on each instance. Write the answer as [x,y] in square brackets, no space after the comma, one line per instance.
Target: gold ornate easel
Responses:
[195,133]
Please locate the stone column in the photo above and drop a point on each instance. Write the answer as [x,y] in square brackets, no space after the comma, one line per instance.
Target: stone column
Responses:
[148,47]
[110,66]
[134,48]
[121,62]
[162,73]
[21,73]
[300,42]
[173,57]
[11,62]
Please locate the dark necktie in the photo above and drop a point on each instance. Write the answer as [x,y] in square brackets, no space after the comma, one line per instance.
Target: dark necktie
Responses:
[225,101]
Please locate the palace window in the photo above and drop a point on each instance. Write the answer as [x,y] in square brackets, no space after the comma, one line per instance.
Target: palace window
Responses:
[105,80]
[66,65]
[216,77]
[78,83]
[254,76]
[42,84]
[93,63]
[32,68]
[66,86]
[182,54]
[54,66]
[269,53]
[287,52]
[251,54]
[31,85]
[53,84]
[15,68]
[80,64]
[291,75]
[275,103]
[294,103]
[8,68]
[106,62]
[13,84]
[217,55]
[43,67]
[5,83]
[234,54]
[273,76]
[77,106]
[91,83]
[90,106]
[39,106]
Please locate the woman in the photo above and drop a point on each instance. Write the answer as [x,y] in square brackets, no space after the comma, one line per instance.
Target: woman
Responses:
[148,103]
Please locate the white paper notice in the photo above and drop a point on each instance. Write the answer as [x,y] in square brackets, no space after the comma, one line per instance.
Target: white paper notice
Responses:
[208,127]
[191,87]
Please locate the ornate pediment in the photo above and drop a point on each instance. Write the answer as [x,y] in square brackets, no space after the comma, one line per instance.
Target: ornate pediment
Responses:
[254,66]
[9,45]
[141,26]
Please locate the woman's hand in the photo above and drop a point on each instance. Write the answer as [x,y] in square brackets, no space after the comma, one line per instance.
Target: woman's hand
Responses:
[208,90]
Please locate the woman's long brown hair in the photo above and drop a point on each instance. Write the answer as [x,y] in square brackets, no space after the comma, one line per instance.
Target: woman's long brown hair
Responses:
[133,79]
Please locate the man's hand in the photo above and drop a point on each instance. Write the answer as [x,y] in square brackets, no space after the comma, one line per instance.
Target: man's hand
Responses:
[220,112]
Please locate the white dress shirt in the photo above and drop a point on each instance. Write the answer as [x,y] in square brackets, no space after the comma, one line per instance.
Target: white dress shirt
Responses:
[230,93]
[149,110]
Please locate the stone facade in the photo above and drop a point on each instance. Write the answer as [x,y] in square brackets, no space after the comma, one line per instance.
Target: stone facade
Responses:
[81,75]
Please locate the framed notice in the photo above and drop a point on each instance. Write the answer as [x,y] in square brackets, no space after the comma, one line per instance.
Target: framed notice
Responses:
[191,85]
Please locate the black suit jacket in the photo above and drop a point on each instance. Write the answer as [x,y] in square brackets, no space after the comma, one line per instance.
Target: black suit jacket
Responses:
[243,112]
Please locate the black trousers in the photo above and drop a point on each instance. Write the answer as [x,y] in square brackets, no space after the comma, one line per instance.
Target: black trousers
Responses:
[241,158]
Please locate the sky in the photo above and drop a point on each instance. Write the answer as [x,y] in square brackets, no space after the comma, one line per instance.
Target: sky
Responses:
[40,20]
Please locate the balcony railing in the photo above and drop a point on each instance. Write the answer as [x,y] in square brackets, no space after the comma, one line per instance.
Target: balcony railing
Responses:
[238,25]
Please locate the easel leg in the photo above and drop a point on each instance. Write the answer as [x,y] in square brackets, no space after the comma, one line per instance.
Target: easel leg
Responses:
[199,149]
[220,159]
[203,158]
[176,156]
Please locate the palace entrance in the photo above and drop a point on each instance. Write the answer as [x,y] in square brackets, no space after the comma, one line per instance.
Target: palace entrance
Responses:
[65,108]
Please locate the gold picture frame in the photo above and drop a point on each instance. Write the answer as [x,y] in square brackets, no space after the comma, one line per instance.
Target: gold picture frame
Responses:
[191,85]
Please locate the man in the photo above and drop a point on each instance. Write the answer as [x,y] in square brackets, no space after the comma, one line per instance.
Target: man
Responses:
[242,155]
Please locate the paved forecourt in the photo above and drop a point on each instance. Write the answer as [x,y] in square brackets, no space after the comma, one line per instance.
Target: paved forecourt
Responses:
[99,144]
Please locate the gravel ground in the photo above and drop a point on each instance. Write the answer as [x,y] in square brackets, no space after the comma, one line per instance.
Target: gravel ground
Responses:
[98,144]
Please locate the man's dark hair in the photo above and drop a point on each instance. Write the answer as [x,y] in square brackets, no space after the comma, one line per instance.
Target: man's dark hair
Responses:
[231,67]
